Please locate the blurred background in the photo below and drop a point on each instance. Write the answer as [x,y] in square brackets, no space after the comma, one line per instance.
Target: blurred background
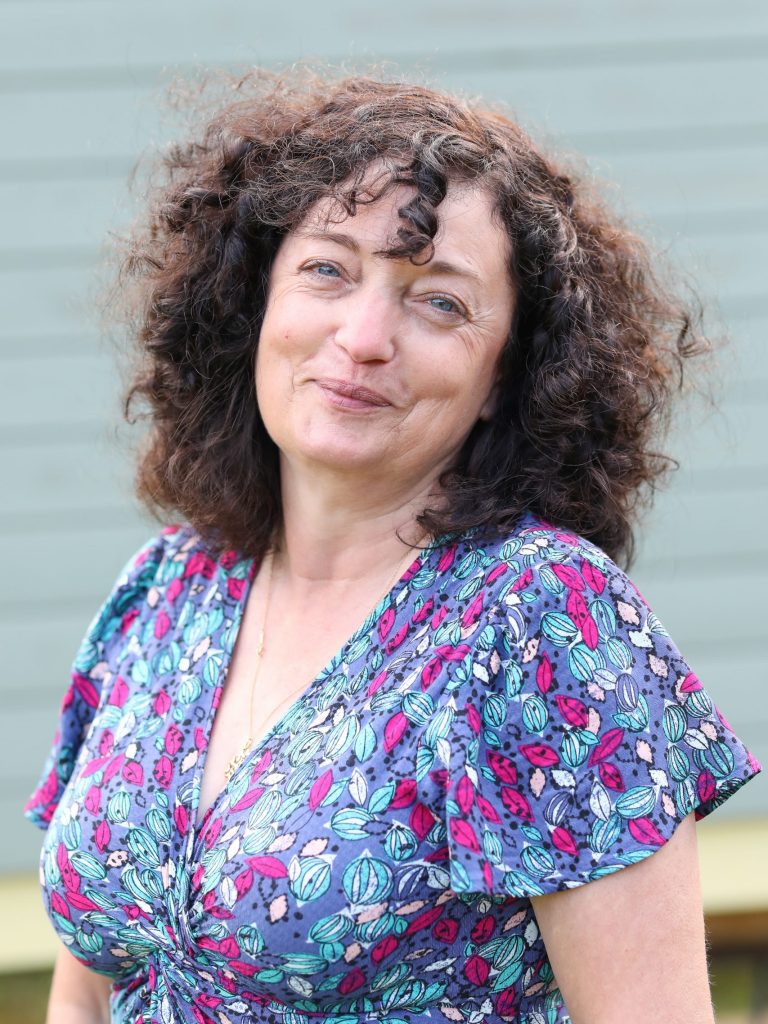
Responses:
[666,103]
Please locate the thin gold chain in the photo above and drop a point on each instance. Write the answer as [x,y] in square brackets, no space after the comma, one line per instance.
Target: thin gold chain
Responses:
[247,746]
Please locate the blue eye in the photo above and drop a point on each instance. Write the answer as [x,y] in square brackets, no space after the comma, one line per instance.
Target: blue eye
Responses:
[322,268]
[449,307]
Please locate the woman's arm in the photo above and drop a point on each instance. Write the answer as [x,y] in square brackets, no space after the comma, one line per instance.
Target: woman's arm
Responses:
[78,995]
[630,947]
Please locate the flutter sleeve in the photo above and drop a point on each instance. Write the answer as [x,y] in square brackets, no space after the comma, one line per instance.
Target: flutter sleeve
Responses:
[583,737]
[89,671]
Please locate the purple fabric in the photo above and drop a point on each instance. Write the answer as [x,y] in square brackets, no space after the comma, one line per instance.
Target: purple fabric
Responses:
[511,720]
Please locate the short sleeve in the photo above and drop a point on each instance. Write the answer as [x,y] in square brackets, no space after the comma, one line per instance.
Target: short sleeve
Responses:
[84,693]
[583,737]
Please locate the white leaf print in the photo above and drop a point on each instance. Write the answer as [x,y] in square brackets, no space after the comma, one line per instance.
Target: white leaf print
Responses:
[233,849]
[709,730]
[659,667]
[358,787]
[640,638]
[495,662]
[595,692]
[599,801]
[643,751]
[537,782]
[228,892]
[444,751]
[201,648]
[278,908]
[314,847]
[531,933]
[301,985]
[440,965]
[593,720]
[659,777]
[531,650]
[696,738]
[451,1013]
[480,672]
[627,613]
[189,761]
[669,805]
[563,778]
[283,842]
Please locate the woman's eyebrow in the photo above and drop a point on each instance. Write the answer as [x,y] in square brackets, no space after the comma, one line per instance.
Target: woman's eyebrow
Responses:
[433,266]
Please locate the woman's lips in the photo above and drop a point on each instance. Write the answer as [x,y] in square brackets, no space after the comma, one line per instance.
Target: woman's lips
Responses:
[346,395]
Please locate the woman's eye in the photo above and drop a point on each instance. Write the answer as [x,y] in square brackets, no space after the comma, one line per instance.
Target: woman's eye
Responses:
[445,305]
[323,269]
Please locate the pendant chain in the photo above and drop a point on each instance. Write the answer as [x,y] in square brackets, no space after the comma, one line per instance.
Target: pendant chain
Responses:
[248,745]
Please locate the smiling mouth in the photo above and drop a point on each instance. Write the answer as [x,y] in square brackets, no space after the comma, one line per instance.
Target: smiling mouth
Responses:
[349,395]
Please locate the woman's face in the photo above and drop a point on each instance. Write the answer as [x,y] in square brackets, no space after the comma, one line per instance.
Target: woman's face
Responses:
[373,366]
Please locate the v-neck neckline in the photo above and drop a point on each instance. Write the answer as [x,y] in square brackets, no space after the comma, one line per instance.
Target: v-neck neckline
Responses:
[198,828]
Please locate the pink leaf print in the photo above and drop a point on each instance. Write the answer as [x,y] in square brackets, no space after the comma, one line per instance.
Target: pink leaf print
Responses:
[502,767]
[465,794]
[119,694]
[181,817]
[487,809]
[244,883]
[439,615]
[610,741]
[162,624]
[705,786]
[377,683]
[594,577]
[506,1002]
[80,902]
[644,831]
[488,875]
[523,580]
[397,639]
[563,840]
[540,754]
[173,740]
[472,612]
[421,820]
[93,799]
[577,609]
[94,765]
[173,589]
[517,803]
[113,768]
[572,710]
[133,773]
[270,867]
[59,904]
[690,683]
[394,729]
[382,949]
[483,929]
[261,765]
[497,571]
[475,722]
[423,920]
[69,875]
[446,930]
[476,970]
[248,799]
[424,612]
[162,703]
[405,794]
[544,674]
[430,672]
[235,588]
[611,777]
[106,743]
[351,981]
[569,576]
[128,620]
[441,778]
[102,835]
[386,622]
[87,690]
[464,834]
[200,563]
[201,740]
[163,771]
[319,790]
[457,653]
[446,561]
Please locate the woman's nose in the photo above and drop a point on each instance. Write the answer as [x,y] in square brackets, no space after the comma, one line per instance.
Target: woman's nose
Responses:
[368,326]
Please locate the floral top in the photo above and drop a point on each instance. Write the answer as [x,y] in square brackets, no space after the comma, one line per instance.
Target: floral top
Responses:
[511,720]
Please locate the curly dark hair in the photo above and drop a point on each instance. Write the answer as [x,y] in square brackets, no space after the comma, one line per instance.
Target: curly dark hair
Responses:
[594,353]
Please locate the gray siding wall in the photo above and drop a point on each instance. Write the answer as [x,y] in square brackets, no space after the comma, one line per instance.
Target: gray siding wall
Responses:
[664,100]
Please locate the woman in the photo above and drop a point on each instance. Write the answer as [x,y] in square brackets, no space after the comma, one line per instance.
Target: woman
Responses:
[348,744]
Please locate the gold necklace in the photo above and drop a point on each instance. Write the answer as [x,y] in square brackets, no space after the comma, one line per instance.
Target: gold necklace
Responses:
[249,743]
